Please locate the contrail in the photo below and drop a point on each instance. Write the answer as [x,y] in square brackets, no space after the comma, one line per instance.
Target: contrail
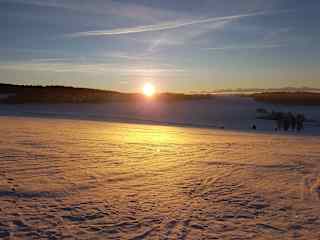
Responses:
[163,26]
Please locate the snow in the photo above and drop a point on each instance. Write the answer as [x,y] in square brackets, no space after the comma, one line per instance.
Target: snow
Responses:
[80,179]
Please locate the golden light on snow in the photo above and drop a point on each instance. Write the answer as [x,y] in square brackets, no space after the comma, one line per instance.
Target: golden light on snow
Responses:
[149,90]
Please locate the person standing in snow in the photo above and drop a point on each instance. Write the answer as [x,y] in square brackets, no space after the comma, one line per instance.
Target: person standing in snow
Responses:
[293,121]
[286,122]
[279,119]
[300,121]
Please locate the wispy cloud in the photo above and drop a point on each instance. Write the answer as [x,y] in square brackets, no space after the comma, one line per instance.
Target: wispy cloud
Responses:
[164,25]
[105,7]
[130,57]
[230,48]
[181,37]
[48,65]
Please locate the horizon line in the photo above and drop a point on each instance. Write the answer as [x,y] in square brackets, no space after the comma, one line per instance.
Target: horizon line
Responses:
[228,90]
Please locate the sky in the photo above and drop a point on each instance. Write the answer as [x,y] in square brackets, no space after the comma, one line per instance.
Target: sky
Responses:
[179,46]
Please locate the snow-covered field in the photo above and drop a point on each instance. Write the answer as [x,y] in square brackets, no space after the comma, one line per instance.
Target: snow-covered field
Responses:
[77,179]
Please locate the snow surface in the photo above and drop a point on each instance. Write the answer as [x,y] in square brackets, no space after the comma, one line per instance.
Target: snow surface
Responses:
[76,179]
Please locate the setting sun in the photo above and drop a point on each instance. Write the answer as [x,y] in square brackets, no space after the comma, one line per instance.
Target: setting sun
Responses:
[148,89]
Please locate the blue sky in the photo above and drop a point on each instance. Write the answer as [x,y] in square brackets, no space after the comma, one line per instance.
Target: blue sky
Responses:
[179,46]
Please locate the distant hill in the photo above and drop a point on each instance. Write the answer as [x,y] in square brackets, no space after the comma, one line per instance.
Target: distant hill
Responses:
[19,94]
[288,98]
[237,91]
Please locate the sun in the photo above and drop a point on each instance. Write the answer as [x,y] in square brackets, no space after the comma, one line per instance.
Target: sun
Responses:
[149,90]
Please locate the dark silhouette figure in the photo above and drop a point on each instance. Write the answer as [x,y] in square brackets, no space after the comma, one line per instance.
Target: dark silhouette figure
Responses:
[293,121]
[279,118]
[300,121]
[254,127]
[286,122]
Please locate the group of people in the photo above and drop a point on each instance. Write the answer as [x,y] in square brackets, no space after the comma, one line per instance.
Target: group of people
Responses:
[287,121]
